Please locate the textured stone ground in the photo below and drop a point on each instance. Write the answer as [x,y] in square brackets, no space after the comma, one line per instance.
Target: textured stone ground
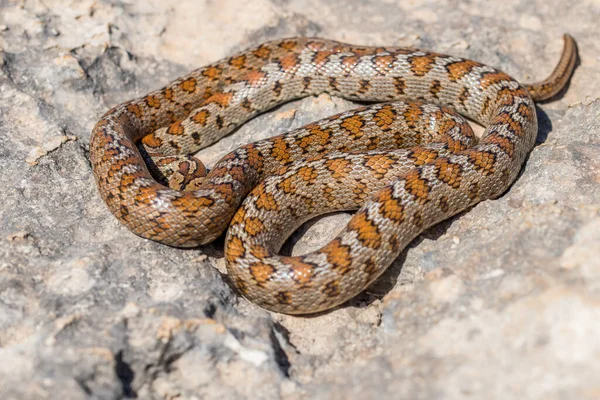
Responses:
[502,301]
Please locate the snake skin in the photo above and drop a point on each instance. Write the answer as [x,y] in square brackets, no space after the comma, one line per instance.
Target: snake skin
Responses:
[405,165]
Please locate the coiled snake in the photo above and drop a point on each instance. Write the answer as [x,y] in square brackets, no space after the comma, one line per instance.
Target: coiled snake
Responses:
[405,165]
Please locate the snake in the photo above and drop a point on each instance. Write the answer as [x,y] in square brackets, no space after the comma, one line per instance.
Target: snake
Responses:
[405,161]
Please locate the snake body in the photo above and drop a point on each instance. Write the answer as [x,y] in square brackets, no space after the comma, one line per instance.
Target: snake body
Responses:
[405,165]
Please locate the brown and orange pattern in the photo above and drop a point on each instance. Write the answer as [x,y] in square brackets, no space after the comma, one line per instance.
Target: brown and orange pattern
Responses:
[404,165]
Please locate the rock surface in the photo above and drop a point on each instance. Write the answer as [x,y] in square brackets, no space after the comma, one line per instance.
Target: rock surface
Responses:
[502,301]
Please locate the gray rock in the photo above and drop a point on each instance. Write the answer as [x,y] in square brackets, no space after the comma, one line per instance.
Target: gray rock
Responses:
[502,301]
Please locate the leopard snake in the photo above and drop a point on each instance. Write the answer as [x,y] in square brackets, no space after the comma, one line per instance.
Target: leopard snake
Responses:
[405,164]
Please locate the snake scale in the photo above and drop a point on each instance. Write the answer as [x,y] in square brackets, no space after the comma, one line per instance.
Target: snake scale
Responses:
[406,163]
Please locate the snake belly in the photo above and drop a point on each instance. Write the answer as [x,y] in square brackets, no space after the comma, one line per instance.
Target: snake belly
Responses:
[404,165]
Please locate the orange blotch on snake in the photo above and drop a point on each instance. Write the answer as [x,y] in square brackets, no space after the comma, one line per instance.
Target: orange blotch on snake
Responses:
[448,172]
[510,122]
[189,85]
[145,195]
[253,226]
[385,117]
[152,141]
[321,57]
[225,189]
[192,204]
[221,99]
[454,145]
[422,156]
[506,144]
[254,77]
[289,62]
[262,52]
[390,207]
[280,150]
[525,111]
[354,125]
[412,115]
[254,157]
[135,109]
[338,256]
[367,231]
[239,217]
[315,45]
[288,45]
[445,126]
[483,161]
[317,136]
[493,78]
[460,69]
[152,101]
[288,185]
[421,65]
[265,200]
[384,63]
[235,249]
[261,272]
[162,224]
[349,62]
[308,174]
[259,251]
[301,272]
[127,179]
[236,172]
[168,93]
[212,73]
[238,62]
[380,164]
[417,186]
[176,129]
[201,117]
